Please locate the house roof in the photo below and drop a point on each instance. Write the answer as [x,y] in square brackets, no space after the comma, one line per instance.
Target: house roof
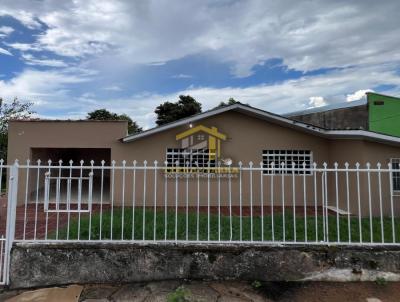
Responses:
[327,108]
[273,118]
[211,131]
[39,120]
[336,106]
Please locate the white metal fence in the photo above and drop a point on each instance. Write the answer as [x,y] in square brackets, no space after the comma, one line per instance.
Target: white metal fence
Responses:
[251,201]
[264,203]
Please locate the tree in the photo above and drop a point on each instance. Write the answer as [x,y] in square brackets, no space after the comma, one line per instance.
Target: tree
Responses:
[231,101]
[169,112]
[102,115]
[133,127]
[105,115]
[16,110]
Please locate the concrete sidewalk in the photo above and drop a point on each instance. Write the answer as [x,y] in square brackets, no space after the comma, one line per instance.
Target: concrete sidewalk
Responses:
[233,291]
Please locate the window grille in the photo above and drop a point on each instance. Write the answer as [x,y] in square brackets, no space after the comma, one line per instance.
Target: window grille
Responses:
[191,158]
[275,158]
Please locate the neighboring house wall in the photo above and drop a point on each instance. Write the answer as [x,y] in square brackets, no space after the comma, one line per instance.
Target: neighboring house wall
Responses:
[384,114]
[381,114]
[343,118]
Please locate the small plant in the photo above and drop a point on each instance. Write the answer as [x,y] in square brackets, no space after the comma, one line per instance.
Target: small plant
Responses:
[256,284]
[381,281]
[181,294]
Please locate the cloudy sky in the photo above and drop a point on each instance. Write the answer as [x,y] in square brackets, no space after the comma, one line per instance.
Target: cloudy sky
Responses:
[73,56]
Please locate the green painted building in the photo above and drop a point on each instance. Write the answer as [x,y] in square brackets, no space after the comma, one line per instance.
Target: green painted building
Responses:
[384,113]
[378,113]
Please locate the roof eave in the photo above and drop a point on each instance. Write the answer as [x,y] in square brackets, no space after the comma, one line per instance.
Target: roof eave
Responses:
[277,119]
[178,123]
[363,135]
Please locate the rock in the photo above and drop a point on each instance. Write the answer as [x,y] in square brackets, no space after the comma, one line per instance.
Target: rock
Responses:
[201,292]
[161,290]
[92,292]
[163,286]
[62,294]
[237,291]
[131,293]
[158,297]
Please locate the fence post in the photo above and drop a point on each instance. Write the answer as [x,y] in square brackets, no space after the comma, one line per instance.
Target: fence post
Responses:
[11,213]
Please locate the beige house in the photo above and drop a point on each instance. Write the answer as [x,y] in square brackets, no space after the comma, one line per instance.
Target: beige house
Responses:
[220,137]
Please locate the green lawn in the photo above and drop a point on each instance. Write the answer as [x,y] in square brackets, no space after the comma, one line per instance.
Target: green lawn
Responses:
[122,228]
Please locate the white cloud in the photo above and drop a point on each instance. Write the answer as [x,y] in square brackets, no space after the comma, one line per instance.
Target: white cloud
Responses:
[48,88]
[156,63]
[5,31]
[316,34]
[31,60]
[358,95]
[51,90]
[16,10]
[288,96]
[5,52]
[182,76]
[112,88]
[24,46]
[317,101]
[119,35]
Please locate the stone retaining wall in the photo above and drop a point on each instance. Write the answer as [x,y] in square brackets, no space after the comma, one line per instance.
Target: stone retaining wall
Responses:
[35,265]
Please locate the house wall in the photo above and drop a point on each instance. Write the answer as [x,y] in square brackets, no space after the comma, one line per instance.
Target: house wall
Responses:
[246,138]
[384,114]
[343,118]
[362,152]
[25,136]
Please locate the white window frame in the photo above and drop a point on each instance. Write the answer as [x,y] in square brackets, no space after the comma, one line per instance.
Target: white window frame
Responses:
[277,154]
[393,176]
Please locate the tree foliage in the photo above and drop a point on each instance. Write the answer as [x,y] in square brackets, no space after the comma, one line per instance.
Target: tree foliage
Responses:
[105,115]
[231,101]
[169,112]
[16,110]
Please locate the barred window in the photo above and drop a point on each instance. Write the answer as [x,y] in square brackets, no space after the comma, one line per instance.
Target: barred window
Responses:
[201,158]
[395,162]
[288,157]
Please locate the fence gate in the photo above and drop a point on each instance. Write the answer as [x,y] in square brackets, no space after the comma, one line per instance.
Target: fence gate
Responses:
[59,194]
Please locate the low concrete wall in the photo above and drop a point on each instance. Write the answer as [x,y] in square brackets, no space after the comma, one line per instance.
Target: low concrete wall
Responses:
[57,264]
